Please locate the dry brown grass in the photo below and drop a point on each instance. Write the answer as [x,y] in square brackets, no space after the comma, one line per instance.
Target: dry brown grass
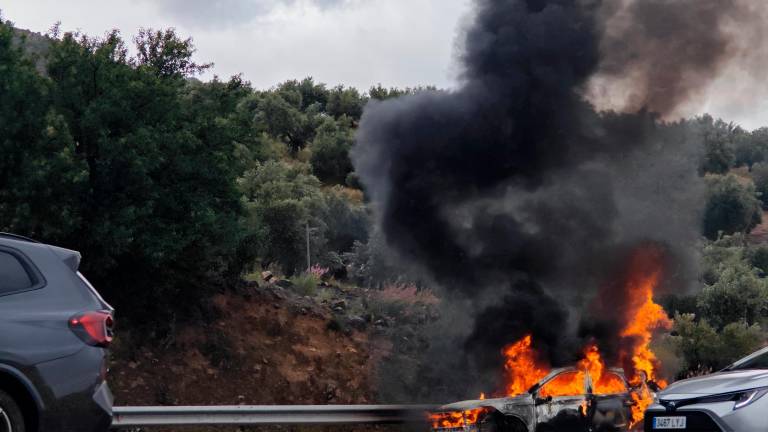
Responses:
[407,293]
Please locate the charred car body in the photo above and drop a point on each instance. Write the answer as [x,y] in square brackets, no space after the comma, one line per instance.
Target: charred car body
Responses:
[541,409]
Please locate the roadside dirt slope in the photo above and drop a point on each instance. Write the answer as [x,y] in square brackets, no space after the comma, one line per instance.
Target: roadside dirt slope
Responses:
[260,351]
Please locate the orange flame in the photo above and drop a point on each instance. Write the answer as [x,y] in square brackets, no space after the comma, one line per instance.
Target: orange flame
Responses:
[645,316]
[602,382]
[522,367]
[573,383]
[456,419]
[566,384]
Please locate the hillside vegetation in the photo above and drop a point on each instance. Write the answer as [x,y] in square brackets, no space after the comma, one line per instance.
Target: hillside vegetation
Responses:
[191,200]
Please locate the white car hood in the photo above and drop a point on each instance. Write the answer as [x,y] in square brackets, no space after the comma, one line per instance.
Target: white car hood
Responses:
[720,382]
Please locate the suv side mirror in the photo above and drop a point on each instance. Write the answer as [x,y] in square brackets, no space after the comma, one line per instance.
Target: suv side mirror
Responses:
[542,401]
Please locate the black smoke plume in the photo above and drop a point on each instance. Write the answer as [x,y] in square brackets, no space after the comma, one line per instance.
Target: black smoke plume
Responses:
[516,195]
[662,53]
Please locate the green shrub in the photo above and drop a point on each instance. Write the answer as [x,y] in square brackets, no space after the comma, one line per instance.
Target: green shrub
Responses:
[702,347]
[737,296]
[353,181]
[330,154]
[731,207]
[373,264]
[305,284]
[281,199]
[759,259]
[751,148]
[325,295]
[718,138]
[346,221]
[760,177]
[345,102]
[279,114]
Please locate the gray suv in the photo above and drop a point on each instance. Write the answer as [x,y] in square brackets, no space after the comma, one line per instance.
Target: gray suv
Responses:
[54,333]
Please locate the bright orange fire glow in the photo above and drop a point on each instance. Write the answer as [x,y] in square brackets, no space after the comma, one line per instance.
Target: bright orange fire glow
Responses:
[566,384]
[456,419]
[643,316]
[574,383]
[602,382]
[522,367]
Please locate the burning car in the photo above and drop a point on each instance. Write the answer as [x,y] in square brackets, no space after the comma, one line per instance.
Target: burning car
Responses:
[566,399]
[588,396]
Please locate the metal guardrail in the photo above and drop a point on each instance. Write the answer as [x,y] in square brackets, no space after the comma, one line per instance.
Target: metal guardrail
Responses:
[243,415]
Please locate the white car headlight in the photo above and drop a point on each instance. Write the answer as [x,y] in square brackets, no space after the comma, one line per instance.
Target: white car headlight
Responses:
[745,398]
[741,399]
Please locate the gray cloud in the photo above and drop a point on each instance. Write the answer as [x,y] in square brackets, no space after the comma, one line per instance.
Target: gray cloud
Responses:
[214,13]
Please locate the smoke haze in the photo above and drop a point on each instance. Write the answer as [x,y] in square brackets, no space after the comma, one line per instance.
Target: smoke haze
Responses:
[664,55]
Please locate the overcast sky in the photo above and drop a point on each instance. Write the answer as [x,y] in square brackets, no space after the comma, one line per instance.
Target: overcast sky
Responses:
[352,42]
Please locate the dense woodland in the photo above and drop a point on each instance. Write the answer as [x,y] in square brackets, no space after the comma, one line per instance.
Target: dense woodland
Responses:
[175,189]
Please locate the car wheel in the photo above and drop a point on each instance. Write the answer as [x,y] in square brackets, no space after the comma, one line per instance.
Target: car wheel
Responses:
[515,425]
[11,419]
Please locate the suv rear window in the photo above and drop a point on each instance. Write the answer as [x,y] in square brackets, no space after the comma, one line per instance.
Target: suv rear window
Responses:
[13,276]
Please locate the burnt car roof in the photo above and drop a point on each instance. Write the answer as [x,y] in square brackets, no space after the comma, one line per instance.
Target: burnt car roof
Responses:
[498,403]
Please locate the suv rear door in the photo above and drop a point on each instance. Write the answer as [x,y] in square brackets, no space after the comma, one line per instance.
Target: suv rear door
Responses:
[39,293]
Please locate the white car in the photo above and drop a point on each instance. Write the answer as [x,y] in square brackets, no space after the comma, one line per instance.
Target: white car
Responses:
[732,400]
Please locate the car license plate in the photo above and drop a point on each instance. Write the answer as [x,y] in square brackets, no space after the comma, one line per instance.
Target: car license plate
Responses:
[669,422]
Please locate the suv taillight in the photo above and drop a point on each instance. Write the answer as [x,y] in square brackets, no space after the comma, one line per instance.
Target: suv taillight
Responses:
[94,328]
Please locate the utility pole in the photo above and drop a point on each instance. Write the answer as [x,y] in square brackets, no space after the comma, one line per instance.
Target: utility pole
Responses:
[309,261]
